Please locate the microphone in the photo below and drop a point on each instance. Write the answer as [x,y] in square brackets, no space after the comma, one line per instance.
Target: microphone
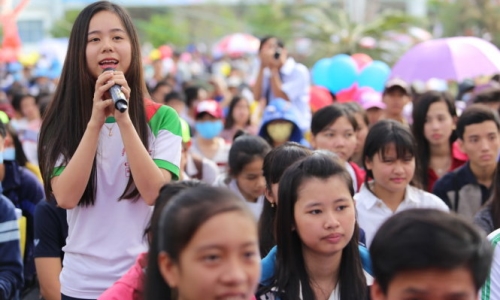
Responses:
[117,95]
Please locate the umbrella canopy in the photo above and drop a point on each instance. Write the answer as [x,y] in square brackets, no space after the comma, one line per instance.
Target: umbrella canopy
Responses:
[455,58]
[237,44]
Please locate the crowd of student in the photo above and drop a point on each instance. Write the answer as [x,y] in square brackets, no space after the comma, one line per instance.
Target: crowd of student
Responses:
[389,197]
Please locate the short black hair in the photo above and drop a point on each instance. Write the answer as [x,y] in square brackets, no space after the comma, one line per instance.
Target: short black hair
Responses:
[420,239]
[160,84]
[476,114]
[191,94]
[488,96]
[173,96]
[267,38]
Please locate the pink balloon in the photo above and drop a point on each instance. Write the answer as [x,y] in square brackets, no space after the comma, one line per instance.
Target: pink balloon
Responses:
[361,60]
[320,97]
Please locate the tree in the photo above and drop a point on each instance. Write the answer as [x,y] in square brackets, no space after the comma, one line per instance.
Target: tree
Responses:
[62,28]
[332,31]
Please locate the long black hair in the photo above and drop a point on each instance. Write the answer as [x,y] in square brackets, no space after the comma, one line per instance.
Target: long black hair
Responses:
[275,164]
[179,221]
[420,109]
[229,123]
[291,273]
[383,134]
[69,112]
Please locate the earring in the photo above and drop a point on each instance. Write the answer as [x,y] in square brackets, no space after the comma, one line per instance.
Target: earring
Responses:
[272,204]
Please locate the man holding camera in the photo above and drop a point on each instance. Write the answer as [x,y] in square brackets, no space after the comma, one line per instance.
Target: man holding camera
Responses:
[281,77]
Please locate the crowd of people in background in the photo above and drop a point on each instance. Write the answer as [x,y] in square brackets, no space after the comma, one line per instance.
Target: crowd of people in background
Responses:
[255,194]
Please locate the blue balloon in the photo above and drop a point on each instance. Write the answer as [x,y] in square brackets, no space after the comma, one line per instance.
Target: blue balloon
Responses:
[375,75]
[342,73]
[319,72]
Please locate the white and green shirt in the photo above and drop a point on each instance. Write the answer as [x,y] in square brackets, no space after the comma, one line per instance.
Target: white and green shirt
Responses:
[491,288]
[105,239]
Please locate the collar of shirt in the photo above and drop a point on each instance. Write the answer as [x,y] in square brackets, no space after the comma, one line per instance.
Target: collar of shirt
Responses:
[369,200]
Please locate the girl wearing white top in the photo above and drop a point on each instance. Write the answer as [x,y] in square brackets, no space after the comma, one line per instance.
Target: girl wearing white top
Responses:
[389,158]
[103,165]
[245,176]
[317,235]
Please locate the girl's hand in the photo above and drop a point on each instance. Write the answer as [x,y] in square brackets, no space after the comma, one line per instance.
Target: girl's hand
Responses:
[102,103]
[119,78]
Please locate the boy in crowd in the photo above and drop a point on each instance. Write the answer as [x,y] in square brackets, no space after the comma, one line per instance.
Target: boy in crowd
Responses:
[467,188]
[428,254]
[396,96]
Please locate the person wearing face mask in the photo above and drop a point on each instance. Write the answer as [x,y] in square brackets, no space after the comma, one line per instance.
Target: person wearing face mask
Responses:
[280,124]
[208,126]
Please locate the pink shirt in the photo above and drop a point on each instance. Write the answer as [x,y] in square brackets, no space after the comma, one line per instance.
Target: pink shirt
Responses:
[130,286]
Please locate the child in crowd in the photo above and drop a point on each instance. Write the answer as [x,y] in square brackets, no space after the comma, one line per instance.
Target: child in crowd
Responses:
[390,158]
[434,119]
[196,260]
[244,176]
[429,254]
[317,235]
[466,189]
[334,128]
[176,101]
[372,103]
[207,142]
[280,124]
[363,126]
[102,165]
[275,164]
[396,96]
[27,108]
[238,118]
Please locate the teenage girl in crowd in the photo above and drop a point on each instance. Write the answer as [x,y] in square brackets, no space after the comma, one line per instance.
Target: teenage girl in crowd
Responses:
[238,118]
[195,259]
[131,285]
[245,177]
[275,164]
[334,129]
[105,167]
[317,235]
[434,118]
[363,127]
[390,160]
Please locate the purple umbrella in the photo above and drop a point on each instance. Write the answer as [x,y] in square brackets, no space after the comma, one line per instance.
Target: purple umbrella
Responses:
[455,58]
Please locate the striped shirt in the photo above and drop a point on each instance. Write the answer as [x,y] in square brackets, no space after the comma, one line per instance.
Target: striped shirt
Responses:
[491,288]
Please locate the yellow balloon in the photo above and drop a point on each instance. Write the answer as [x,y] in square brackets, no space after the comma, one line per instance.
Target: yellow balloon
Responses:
[29,59]
[155,54]
[226,69]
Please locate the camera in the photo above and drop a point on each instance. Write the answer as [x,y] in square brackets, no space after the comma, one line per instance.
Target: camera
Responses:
[277,54]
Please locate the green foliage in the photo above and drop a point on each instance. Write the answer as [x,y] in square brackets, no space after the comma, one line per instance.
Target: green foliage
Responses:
[62,28]
[165,28]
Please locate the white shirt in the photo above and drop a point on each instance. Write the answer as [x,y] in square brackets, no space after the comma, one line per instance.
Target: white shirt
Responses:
[296,83]
[210,171]
[372,211]
[491,288]
[220,157]
[105,239]
[255,207]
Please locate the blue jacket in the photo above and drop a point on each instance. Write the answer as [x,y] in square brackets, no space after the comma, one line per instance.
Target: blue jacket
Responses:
[279,109]
[25,191]
[11,264]
[267,264]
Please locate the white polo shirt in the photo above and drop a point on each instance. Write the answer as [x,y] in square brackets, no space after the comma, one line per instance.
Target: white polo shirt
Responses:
[372,211]
[491,288]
